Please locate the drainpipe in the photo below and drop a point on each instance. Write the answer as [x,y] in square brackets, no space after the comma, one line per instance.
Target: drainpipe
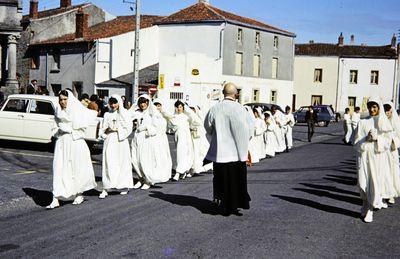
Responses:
[339,84]
[46,77]
[221,41]
[395,88]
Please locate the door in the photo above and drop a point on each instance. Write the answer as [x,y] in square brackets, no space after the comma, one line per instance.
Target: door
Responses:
[12,118]
[316,100]
[39,121]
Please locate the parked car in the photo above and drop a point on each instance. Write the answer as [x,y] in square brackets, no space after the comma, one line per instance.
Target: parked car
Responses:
[30,118]
[324,114]
[266,107]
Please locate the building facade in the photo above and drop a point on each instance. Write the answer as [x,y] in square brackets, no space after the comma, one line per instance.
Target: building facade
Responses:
[10,29]
[344,75]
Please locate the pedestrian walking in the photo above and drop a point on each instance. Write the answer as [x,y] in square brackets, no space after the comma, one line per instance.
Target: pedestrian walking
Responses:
[269,136]
[347,126]
[311,119]
[289,128]
[355,119]
[72,165]
[280,121]
[228,124]
[117,164]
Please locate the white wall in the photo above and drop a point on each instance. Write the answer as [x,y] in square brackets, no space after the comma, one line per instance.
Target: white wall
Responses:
[364,88]
[114,57]
[304,85]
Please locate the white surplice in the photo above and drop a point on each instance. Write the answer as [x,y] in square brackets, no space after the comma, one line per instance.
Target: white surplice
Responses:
[280,120]
[73,171]
[347,127]
[289,130]
[117,164]
[270,137]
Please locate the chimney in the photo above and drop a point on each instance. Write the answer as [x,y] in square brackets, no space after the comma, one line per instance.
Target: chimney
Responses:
[352,40]
[82,24]
[65,3]
[311,42]
[394,40]
[204,1]
[33,9]
[341,40]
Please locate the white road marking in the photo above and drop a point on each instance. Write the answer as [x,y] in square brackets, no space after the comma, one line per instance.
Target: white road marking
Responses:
[25,172]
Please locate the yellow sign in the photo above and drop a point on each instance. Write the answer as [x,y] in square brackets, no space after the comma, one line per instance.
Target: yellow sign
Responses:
[195,72]
[162,81]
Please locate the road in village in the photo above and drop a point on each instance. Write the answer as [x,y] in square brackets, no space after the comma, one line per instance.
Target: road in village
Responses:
[304,204]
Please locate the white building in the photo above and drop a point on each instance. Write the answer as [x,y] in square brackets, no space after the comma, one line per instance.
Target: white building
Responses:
[344,75]
[202,47]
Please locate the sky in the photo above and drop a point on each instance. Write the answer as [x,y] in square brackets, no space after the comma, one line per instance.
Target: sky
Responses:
[372,22]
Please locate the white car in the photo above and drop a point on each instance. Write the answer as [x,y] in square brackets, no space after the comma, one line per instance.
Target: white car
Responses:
[25,117]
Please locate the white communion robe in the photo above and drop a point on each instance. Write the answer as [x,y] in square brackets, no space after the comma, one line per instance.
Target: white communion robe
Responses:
[372,162]
[270,138]
[117,163]
[258,138]
[72,165]
[280,119]
[289,130]
[163,152]
[347,126]
[355,119]
[145,149]
[200,142]
[183,141]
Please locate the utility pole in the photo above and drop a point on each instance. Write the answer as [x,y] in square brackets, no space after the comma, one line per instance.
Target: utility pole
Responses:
[135,81]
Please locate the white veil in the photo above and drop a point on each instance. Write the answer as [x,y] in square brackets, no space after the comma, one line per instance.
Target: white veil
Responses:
[395,120]
[384,124]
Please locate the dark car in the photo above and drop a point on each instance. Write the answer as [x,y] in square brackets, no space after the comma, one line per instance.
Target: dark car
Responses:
[266,107]
[324,114]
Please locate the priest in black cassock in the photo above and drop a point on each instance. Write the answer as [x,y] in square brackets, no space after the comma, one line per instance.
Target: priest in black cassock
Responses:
[228,125]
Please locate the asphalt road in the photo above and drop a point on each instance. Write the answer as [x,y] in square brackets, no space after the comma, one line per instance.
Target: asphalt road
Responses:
[304,204]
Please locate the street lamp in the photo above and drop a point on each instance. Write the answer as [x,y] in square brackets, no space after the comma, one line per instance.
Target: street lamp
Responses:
[135,81]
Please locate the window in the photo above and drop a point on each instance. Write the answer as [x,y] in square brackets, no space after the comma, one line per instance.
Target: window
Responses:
[103,93]
[40,107]
[318,75]
[256,65]
[258,39]
[374,77]
[56,88]
[240,36]
[35,61]
[239,63]
[364,104]
[276,42]
[77,86]
[56,63]
[176,95]
[256,95]
[353,76]
[352,102]
[274,68]
[274,95]
[16,105]
[316,100]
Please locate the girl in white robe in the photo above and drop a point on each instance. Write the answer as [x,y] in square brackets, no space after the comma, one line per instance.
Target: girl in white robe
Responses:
[394,177]
[145,145]
[252,144]
[73,171]
[280,120]
[347,126]
[258,136]
[199,140]
[269,136]
[372,143]
[183,140]
[355,118]
[288,128]
[117,164]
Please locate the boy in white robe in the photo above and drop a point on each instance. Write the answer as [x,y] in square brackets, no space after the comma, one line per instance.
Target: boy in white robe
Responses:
[355,119]
[347,126]
[280,119]
[73,171]
[117,164]
[372,143]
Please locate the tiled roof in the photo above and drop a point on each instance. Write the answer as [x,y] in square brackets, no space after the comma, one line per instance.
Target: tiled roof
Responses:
[323,49]
[117,26]
[202,12]
[147,76]
[55,11]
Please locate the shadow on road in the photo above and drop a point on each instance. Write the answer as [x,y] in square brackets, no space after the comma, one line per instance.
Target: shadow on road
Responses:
[319,206]
[330,188]
[352,200]
[204,206]
[40,197]
[341,181]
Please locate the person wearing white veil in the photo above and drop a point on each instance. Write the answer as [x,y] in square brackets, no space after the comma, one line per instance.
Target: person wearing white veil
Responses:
[394,176]
[255,157]
[73,171]
[199,140]
[145,146]
[372,143]
[269,135]
[280,119]
[183,140]
[117,164]
[258,137]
